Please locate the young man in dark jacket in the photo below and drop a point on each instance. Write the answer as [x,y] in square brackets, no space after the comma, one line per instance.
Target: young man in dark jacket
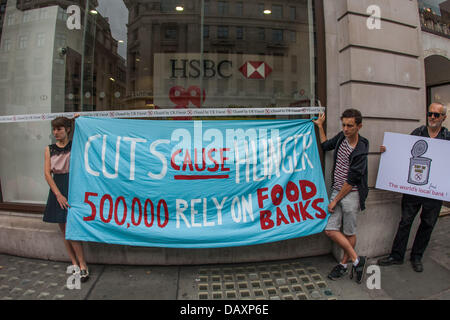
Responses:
[411,204]
[350,189]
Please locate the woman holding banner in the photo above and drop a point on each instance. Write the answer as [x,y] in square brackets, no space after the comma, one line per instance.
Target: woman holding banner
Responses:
[56,169]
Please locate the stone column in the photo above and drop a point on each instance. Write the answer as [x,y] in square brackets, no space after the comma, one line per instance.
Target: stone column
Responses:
[378,69]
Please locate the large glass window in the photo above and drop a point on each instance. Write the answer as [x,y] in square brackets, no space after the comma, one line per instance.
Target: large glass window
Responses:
[435,16]
[142,54]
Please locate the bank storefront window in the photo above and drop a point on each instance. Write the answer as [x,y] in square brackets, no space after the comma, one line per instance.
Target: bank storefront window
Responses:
[96,55]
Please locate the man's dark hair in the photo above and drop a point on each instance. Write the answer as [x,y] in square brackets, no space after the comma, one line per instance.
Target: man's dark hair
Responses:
[352,113]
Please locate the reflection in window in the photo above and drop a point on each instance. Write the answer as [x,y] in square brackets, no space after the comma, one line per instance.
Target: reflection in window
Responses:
[222,8]
[23,42]
[171,33]
[277,11]
[222,32]
[6,45]
[261,34]
[277,35]
[137,54]
[239,9]
[40,39]
[292,13]
[239,33]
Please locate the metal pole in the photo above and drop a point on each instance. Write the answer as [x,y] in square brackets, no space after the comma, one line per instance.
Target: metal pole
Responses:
[83,51]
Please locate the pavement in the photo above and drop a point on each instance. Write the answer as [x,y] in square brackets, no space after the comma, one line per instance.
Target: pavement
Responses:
[296,279]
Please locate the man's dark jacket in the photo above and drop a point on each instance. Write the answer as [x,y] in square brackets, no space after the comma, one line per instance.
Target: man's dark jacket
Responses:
[422,131]
[357,173]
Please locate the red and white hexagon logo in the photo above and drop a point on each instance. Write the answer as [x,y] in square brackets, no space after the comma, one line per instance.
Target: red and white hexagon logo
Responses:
[255,70]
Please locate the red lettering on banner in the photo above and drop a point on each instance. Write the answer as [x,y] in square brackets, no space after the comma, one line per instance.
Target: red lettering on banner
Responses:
[293,214]
[307,194]
[166,213]
[116,207]
[304,213]
[91,204]
[277,195]
[223,158]
[196,160]
[281,217]
[297,211]
[111,207]
[187,161]
[215,166]
[152,213]
[261,197]
[210,157]
[119,209]
[292,187]
[172,159]
[322,214]
[265,221]
[133,220]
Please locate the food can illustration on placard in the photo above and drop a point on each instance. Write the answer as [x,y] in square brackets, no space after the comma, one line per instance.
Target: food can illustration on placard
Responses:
[419,167]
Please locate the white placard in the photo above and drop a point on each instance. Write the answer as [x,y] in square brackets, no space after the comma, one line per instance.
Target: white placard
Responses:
[415,165]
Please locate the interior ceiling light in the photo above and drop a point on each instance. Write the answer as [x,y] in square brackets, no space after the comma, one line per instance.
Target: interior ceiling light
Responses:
[267,11]
[179,8]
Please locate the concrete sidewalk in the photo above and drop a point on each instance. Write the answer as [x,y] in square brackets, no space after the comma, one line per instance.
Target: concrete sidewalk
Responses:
[298,279]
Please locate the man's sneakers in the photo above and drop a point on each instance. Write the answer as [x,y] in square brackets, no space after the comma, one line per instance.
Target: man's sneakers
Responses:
[338,272]
[359,270]
[84,275]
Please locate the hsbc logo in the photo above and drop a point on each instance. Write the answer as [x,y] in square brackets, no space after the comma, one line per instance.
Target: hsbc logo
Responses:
[255,70]
[185,68]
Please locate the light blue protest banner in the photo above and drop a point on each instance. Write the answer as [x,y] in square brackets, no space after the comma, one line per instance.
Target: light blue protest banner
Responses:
[194,184]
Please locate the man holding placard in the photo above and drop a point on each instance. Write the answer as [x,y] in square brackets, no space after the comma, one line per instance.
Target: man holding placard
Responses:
[411,204]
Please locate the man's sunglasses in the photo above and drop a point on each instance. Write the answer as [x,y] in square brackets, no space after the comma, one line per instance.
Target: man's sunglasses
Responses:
[435,114]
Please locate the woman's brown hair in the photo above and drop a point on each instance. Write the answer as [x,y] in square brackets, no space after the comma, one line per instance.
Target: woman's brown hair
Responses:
[62,122]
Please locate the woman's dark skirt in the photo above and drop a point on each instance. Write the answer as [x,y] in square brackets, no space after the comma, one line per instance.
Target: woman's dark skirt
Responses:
[53,212]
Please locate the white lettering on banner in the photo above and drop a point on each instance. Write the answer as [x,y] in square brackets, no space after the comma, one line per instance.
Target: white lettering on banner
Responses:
[86,155]
[247,153]
[182,205]
[219,209]
[116,164]
[240,209]
[161,157]
[132,153]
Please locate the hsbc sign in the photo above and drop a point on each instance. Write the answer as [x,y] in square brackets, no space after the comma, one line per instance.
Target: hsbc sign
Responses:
[185,69]
[255,70]
[189,80]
